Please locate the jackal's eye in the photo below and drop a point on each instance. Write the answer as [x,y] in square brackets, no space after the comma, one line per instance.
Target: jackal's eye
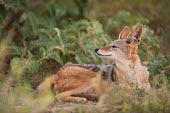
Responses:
[114,46]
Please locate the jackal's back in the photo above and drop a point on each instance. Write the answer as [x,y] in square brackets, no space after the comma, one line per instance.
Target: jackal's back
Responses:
[72,77]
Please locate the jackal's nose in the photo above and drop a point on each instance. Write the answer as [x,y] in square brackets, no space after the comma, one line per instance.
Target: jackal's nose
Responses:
[96,50]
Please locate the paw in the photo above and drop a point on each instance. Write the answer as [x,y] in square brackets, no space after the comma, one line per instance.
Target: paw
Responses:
[83,100]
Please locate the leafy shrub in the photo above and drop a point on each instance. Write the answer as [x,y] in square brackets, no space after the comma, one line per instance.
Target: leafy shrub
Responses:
[83,37]
[157,65]
[62,31]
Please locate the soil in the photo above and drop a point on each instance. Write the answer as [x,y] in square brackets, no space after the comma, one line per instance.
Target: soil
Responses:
[70,107]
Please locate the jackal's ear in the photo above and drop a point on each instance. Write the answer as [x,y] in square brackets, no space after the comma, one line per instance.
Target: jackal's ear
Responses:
[135,36]
[124,33]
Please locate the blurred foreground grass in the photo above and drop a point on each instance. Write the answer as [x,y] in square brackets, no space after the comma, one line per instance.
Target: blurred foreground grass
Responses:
[16,95]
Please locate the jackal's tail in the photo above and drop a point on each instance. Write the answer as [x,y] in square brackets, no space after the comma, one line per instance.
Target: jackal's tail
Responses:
[46,86]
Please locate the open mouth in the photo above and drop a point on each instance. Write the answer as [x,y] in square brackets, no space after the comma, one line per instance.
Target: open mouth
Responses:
[103,55]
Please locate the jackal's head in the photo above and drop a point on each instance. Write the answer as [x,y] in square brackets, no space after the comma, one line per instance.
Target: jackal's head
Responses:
[124,48]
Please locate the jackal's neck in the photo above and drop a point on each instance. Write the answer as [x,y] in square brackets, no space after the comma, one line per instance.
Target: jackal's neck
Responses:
[133,71]
[129,66]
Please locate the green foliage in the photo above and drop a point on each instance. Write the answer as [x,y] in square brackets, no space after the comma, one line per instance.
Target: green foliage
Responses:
[60,31]
[157,65]
[17,66]
[33,67]
[121,19]
[28,67]
[78,39]
[149,44]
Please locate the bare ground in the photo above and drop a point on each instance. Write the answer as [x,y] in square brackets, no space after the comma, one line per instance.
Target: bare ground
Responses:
[70,107]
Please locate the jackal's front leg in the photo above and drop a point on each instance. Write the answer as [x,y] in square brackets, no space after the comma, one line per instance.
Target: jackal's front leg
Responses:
[92,97]
[79,94]
[65,96]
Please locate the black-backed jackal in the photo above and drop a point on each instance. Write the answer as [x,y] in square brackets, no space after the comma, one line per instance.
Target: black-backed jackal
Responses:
[74,82]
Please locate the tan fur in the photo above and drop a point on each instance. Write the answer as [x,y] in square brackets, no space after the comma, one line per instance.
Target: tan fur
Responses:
[73,83]
[128,64]
[124,33]
[76,84]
